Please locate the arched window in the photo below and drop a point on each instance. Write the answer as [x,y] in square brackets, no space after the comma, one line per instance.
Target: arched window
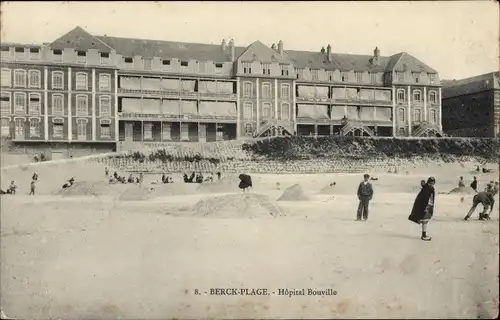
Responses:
[19,127]
[247,110]
[401,115]
[266,90]
[285,111]
[104,106]
[401,95]
[57,80]
[433,118]
[19,102]
[247,90]
[34,78]
[35,104]
[81,81]
[19,78]
[81,129]
[432,97]
[417,96]
[6,80]
[104,82]
[266,110]
[35,127]
[82,108]
[285,91]
[417,115]
[58,104]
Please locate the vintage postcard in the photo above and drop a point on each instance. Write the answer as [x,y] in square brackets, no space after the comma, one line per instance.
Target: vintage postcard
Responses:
[250,160]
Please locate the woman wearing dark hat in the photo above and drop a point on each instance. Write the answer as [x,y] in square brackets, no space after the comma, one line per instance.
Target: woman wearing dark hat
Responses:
[245,181]
[423,207]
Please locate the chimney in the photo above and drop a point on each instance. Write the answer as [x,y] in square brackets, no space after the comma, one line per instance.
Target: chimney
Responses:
[322,49]
[280,47]
[231,48]
[224,46]
[329,53]
[273,46]
[376,56]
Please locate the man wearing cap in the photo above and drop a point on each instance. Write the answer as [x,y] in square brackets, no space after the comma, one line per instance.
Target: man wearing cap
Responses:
[423,207]
[365,195]
[485,198]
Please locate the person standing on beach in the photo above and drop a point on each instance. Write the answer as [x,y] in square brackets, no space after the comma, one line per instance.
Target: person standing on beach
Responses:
[423,207]
[473,184]
[487,200]
[32,192]
[461,182]
[35,176]
[365,195]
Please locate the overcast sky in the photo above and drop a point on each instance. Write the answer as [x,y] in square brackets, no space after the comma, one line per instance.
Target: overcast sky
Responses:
[459,39]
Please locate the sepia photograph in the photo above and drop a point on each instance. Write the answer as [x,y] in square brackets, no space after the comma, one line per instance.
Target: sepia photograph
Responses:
[249,160]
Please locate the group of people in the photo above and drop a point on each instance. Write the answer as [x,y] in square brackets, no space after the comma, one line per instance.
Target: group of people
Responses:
[200,178]
[13,187]
[116,178]
[423,207]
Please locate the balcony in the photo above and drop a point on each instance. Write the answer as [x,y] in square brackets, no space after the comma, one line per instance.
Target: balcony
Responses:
[178,94]
[174,117]
[357,102]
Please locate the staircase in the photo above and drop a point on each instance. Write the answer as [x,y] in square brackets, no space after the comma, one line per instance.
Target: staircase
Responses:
[350,126]
[275,123]
[426,127]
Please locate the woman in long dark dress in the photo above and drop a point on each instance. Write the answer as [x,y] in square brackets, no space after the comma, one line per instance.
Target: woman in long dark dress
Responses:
[245,182]
[423,207]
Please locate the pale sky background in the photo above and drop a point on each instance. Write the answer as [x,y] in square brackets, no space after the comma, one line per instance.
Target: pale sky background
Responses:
[457,38]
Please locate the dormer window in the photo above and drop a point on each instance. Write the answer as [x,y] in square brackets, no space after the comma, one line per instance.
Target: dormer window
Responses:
[82,56]
[166,62]
[218,65]
[57,52]
[104,58]
[128,60]
[184,63]
[19,52]
[5,49]
[416,77]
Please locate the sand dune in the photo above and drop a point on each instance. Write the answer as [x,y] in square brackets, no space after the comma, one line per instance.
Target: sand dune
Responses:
[294,193]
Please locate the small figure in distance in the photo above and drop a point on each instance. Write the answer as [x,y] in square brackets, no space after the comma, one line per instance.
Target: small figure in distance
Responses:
[245,182]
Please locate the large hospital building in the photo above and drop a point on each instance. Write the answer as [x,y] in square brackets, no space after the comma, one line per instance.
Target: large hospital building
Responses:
[84,91]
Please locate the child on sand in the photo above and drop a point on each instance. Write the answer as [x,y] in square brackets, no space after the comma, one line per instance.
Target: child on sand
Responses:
[365,195]
[12,187]
[245,182]
[461,183]
[423,207]
[473,184]
[32,192]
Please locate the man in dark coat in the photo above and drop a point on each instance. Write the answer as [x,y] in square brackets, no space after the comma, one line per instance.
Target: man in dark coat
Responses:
[473,184]
[423,207]
[365,195]
[485,198]
[245,182]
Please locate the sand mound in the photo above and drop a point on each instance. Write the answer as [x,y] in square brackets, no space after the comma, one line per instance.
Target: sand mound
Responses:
[174,189]
[226,184]
[85,188]
[134,192]
[462,190]
[294,193]
[242,205]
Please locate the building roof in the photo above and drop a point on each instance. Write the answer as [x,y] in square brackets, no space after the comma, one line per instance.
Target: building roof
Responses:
[487,81]
[80,39]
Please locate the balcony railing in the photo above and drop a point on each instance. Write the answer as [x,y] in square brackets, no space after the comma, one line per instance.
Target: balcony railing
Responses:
[343,100]
[177,117]
[178,93]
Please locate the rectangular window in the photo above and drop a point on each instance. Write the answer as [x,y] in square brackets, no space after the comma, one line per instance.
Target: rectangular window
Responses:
[433,116]
[432,78]
[300,73]
[416,77]
[20,103]
[284,70]
[128,60]
[248,111]
[57,54]
[104,58]
[433,97]
[359,77]
[344,77]
[147,64]
[247,67]
[20,78]
[34,54]
[5,106]
[81,81]
[104,82]
[35,104]
[57,105]
[218,65]
[285,111]
[82,106]
[105,129]
[266,110]
[166,62]
[167,131]
[57,80]
[57,130]
[266,90]
[417,96]
[266,68]
[285,91]
[5,131]
[184,63]
[247,90]
[373,77]
[6,80]
[35,128]
[401,95]
[314,74]
[81,57]
[417,116]
[34,79]
[401,115]
[19,53]
[105,106]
